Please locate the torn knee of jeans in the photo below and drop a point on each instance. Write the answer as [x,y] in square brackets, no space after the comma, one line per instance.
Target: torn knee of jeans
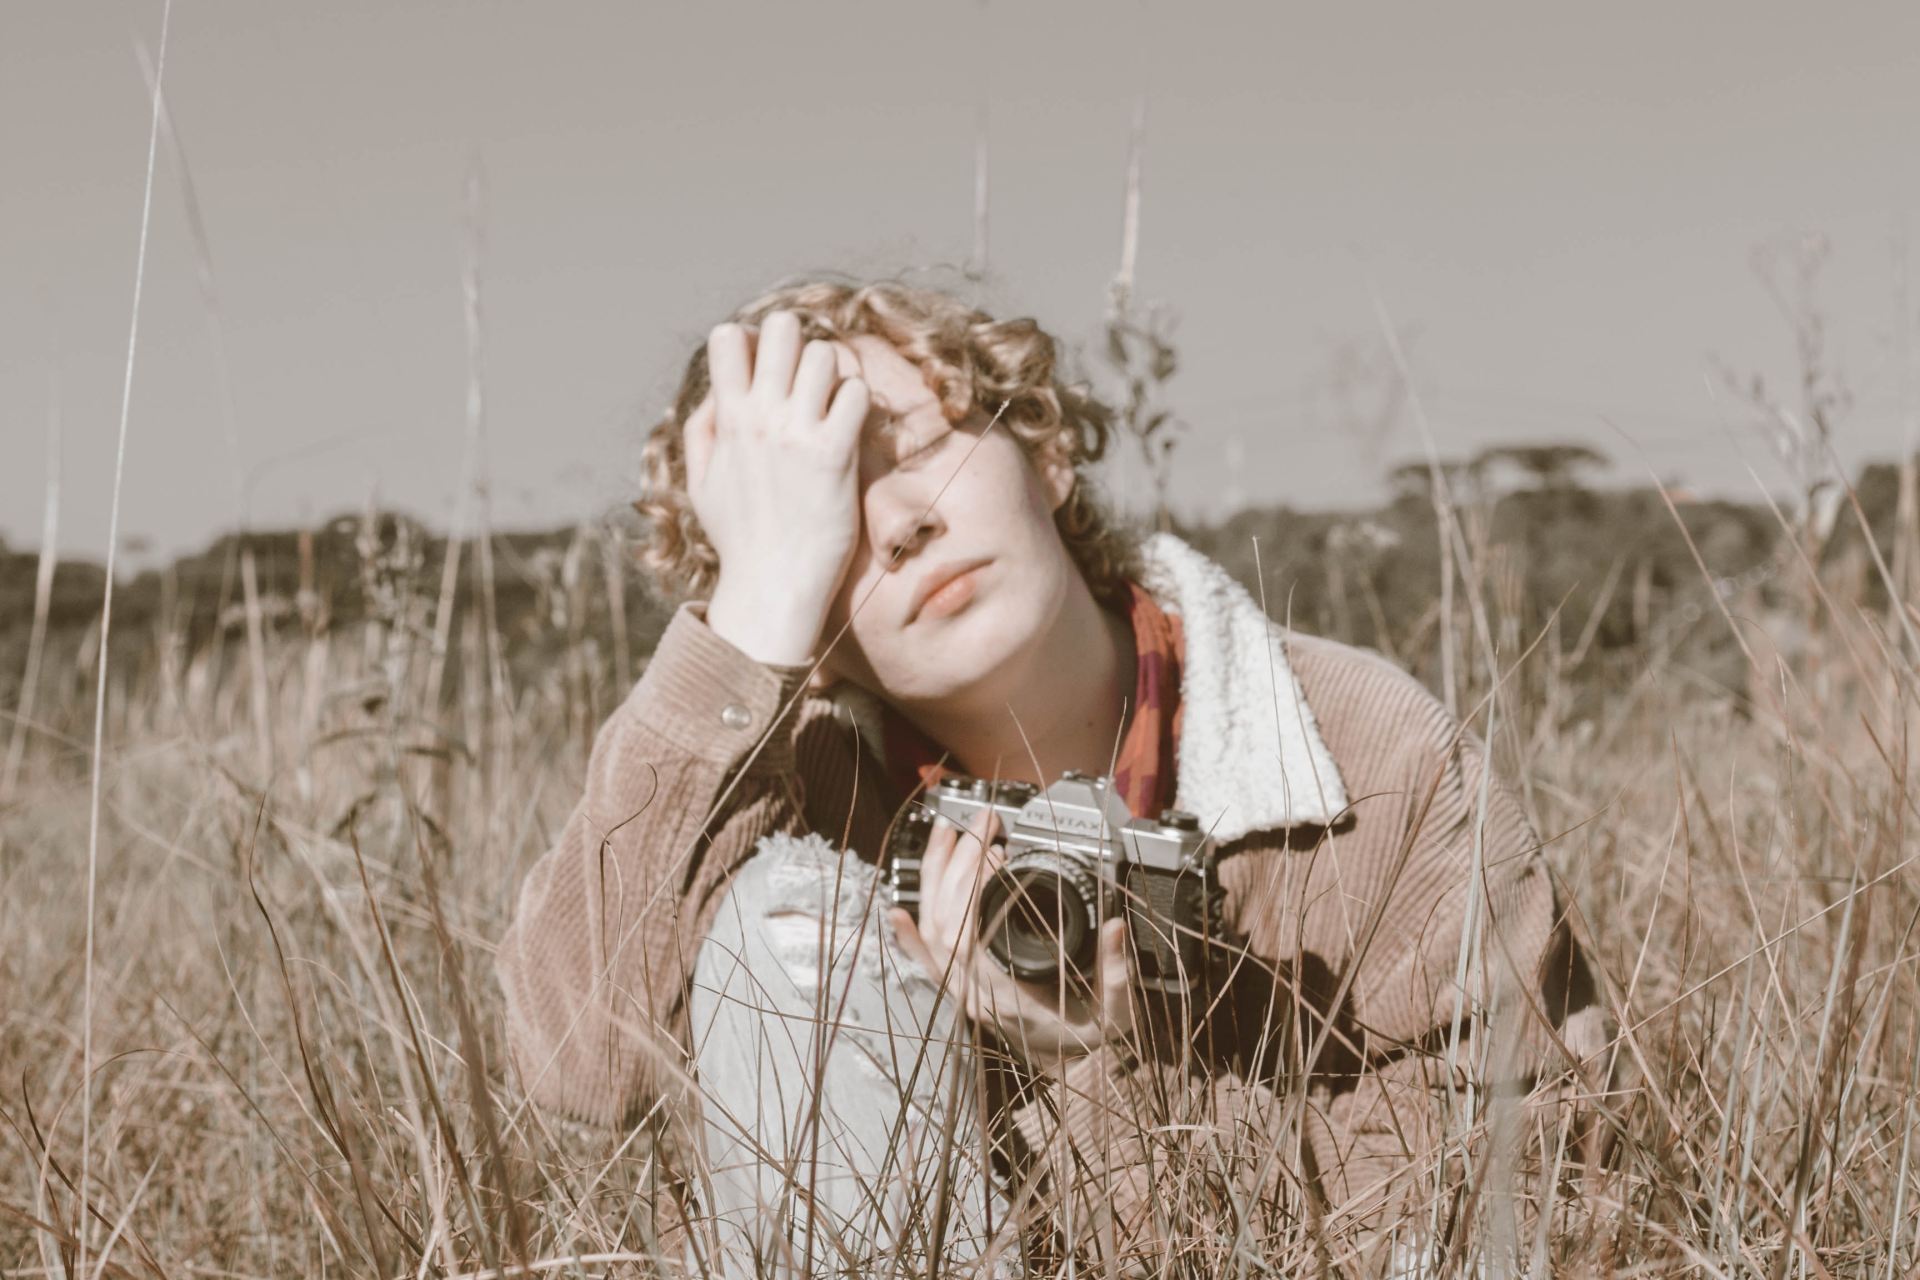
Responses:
[795,942]
[809,871]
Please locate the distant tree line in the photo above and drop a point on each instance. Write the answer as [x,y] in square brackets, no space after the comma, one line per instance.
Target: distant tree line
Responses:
[1612,562]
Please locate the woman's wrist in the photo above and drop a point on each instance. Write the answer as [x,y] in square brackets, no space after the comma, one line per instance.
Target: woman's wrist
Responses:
[1053,1061]
[755,623]
[1112,1057]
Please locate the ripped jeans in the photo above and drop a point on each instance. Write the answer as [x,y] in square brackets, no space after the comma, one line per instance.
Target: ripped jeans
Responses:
[839,1100]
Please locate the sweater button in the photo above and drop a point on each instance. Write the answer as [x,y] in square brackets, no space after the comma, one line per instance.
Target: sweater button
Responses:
[735,716]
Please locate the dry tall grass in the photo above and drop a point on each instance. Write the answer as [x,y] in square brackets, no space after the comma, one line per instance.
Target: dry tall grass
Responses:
[296,1029]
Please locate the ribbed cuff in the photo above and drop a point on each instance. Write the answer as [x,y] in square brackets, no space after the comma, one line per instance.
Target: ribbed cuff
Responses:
[712,700]
[1089,1098]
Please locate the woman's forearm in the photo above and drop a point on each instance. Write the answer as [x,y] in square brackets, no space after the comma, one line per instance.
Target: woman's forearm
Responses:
[685,778]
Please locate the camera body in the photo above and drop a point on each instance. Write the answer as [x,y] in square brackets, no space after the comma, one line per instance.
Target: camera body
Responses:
[1075,857]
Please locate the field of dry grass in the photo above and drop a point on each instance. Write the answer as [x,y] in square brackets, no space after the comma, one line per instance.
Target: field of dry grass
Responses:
[254,858]
[310,833]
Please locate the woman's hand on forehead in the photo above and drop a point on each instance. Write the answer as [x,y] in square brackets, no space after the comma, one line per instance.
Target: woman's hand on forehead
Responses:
[772,459]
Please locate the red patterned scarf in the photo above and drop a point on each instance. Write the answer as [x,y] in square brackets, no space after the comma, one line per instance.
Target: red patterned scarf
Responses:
[1144,775]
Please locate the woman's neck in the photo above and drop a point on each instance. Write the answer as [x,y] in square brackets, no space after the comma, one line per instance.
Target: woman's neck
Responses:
[1068,706]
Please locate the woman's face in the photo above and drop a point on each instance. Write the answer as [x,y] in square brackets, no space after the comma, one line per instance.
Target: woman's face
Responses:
[943,497]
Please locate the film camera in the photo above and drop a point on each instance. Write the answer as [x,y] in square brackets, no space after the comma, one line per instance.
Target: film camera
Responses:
[1075,856]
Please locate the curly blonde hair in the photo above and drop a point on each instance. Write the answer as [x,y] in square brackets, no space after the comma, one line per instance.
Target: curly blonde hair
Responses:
[970,361]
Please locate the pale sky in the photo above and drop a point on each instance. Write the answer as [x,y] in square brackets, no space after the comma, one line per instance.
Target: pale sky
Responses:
[1559,201]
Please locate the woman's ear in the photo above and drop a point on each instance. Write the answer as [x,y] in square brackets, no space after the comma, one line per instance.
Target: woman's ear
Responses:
[1056,473]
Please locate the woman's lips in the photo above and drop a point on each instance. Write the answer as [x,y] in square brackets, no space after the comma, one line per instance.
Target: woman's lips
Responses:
[954,596]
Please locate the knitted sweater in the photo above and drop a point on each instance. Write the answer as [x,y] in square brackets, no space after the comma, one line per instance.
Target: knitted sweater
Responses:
[1352,814]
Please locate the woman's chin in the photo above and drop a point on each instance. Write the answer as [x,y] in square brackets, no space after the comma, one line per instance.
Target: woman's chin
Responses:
[965,651]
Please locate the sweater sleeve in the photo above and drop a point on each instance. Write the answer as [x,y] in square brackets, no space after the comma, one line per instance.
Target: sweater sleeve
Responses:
[693,768]
[1137,1156]
[1469,899]
[1473,974]
[1132,1147]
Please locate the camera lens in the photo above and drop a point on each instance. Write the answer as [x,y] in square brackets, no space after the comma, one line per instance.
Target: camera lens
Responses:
[1038,914]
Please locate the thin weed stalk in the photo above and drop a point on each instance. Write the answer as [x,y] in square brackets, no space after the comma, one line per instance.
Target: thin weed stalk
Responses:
[42,600]
[83,1225]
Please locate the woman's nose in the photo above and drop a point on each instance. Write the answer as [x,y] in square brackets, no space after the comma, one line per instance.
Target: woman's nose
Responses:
[904,525]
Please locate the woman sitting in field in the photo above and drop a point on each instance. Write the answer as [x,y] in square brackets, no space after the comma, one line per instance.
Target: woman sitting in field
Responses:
[871,501]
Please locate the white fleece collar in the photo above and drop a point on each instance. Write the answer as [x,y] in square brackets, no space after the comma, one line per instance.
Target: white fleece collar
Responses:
[1251,756]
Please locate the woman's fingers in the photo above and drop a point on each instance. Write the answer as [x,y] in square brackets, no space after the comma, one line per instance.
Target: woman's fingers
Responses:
[1114,978]
[774,359]
[1040,1021]
[848,414]
[950,872]
[967,867]
[697,440]
[939,965]
[933,874]
[853,402]
[728,362]
[985,828]
[813,381]
[908,935]
[933,859]
[993,852]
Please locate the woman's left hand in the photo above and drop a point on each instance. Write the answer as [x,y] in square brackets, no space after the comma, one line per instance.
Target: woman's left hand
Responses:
[1046,1023]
